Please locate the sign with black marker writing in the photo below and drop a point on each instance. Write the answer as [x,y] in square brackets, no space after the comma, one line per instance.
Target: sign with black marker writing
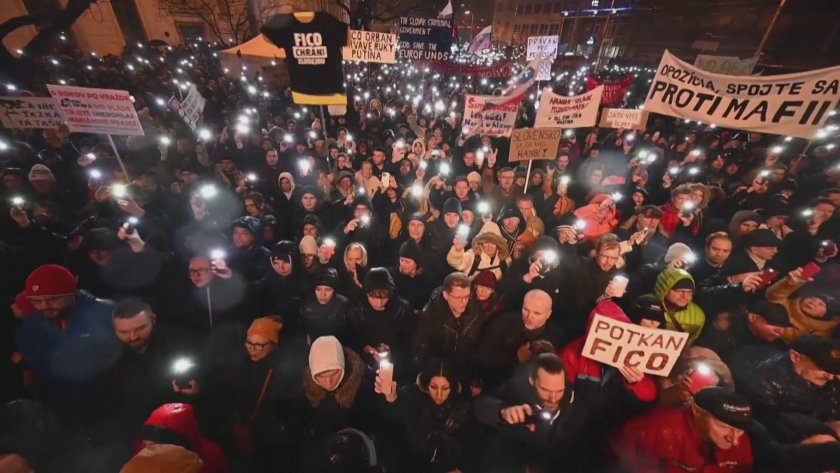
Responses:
[790,104]
[425,38]
[650,350]
[370,46]
[534,143]
[30,112]
[568,112]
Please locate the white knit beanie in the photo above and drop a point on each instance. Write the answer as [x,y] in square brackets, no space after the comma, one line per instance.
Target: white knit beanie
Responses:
[677,250]
[326,354]
[39,172]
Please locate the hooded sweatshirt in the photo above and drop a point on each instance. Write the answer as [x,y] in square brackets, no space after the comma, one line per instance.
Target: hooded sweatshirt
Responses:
[802,324]
[689,319]
[179,420]
[595,226]
[475,260]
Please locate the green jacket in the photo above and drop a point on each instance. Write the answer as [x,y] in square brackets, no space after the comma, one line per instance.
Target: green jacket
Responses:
[691,318]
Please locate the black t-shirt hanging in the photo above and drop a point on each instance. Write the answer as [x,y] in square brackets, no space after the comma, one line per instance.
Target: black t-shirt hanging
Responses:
[313,56]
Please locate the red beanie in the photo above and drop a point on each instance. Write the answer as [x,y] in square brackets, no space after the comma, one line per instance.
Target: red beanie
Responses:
[50,280]
[486,279]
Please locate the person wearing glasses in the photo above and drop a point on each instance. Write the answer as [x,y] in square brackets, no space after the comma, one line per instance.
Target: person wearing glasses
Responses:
[266,385]
[675,290]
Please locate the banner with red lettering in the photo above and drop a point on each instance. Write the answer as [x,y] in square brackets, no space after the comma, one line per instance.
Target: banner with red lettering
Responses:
[613,91]
[110,112]
[499,70]
[557,111]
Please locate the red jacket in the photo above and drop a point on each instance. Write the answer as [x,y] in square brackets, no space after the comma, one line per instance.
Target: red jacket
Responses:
[586,374]
[671,220]
[664,440]
[180,418]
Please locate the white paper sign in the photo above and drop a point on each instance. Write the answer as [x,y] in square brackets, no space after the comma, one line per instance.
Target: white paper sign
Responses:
[370,46]
[568,112]
[790,104]
[105,111]
[548,45]
[30,112]
[498,122]
[633,119]
[190,109]
[726,65]
[650,350]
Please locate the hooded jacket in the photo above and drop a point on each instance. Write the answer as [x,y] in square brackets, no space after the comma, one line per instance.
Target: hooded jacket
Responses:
[802,324]
[473,261]
[326,319]
[689,319]
[321,210]
[179,420]
[252,263]
[520,242]
[602,387]
[595,226]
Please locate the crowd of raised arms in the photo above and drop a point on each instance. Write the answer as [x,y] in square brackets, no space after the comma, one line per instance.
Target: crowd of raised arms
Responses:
[282,290]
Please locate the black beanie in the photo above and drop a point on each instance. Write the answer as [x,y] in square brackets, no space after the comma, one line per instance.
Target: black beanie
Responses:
[452,205]
[379,278]
[328,277]
[411,250]
[284,250]
[417,216]
[362,199]
[685,283]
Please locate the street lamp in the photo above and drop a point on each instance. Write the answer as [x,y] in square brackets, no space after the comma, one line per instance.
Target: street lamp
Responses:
[472,19]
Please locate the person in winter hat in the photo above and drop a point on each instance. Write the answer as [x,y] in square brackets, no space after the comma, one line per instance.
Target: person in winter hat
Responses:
[39,172]
[163,458]
[808,311]
[489,252]
[68,327]
[365,228]
[674,289]
[325,310]
[250,259]
[309,254]
[411,278]
[512,225]
[176,424]
[279,293]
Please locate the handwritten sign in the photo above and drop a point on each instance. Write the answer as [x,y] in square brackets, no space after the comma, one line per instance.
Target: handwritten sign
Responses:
[652,351]
[726,65]
[548,45]
[425,38]
[106,111]
[30,112]
[497,122]
[190,109]
[370,46]
[534,143]
[621,118]
[568,112]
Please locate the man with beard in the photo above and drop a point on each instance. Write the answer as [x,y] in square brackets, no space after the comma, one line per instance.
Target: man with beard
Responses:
[145,370]
[513,224]
[279,293]
[69,342]
[535,421]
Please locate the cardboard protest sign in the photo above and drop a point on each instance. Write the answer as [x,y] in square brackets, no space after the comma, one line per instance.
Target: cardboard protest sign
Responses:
[548,45]
[425,38]
[106,111]
[569,112]
[497,122]
[614,92]
[534,143]
[30,112]
[190,109]
[790,104]
[726,65]
[652,351]
[623,118]
[370,46]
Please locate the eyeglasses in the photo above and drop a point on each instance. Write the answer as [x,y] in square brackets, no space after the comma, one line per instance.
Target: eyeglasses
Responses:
[459,298]
[256,346]
[609,259]
[199,271]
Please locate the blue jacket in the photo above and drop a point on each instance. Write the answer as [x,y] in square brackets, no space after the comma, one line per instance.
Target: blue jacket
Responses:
[83,350]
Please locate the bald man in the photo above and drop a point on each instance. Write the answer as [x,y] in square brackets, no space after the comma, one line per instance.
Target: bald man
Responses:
[509,336]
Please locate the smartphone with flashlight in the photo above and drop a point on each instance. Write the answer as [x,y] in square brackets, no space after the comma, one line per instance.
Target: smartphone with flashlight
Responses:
[619,286]
[386,179]
[829,247]
[130,225]
[386,371]
[547,261]
[767,275]
[580,226]
[463,234]
[538,416]
[702,377]
[686,209]
[182,371]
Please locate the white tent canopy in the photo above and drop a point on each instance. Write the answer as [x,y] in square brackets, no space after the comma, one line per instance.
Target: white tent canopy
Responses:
[256,53]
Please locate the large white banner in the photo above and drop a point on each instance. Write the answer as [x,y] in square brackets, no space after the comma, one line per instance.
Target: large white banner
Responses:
[30,112]
[726,65]
[650,350]
[497,122]
[568,112]
[370,46]
[105,111]
[790,104]
[548,45]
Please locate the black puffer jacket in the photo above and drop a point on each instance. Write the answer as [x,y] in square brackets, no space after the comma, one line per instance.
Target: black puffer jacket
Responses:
[781,397]
[440,335]
[320,320]
[437,436]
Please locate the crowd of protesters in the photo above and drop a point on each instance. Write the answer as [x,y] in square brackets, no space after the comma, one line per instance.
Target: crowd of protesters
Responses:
[282,290]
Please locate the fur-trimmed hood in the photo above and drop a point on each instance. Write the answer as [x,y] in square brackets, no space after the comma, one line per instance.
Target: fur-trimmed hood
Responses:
[346,391]
[490,233]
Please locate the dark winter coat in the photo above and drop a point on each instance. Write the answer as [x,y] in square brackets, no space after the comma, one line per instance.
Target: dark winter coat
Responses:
[278,295]
[440,335]
[328,319]
[391,326]
[415,290]
[198,310]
